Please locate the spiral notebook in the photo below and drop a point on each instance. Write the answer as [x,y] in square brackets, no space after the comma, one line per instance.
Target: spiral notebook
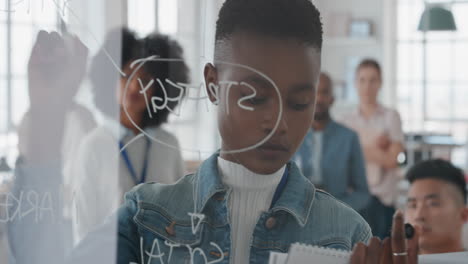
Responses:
[306,254]
[300,253]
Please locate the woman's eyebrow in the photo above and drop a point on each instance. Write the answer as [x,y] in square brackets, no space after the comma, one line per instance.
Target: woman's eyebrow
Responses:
[304,87]
[257,81]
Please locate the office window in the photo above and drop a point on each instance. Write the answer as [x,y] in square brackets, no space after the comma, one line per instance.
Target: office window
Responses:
[146,16]
[167,16]
[442,109]
[142,16]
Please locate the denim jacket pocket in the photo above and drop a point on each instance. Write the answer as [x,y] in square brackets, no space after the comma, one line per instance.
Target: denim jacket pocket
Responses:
[158,221]
[165,239]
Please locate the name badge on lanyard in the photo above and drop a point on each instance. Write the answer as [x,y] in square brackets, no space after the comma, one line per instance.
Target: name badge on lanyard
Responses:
[129,165]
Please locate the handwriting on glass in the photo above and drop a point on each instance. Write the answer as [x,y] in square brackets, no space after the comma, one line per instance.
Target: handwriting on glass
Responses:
[157,103]
[156,254]
[10,6]
[26,203]
[196,220]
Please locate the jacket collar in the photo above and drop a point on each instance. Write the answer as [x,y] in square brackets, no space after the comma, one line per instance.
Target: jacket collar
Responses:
[296,199]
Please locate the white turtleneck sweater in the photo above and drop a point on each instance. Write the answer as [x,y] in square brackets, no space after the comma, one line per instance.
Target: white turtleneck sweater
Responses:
[251,195]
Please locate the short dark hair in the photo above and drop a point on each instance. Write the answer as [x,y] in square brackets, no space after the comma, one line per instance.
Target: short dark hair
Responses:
[297,19]
[369,63]
[103,74]
[176,71]
[441,170]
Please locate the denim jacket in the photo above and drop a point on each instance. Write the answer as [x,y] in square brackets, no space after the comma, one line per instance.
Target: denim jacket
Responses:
[188,222]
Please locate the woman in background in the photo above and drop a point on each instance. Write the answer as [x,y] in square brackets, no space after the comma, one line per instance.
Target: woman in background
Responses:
[116,155]
[381,136]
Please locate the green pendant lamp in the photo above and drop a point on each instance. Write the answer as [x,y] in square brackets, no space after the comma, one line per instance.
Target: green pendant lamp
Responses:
[437,18]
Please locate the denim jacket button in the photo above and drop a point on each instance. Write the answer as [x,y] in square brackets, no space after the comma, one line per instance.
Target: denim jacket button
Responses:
[170,229]
[270,223]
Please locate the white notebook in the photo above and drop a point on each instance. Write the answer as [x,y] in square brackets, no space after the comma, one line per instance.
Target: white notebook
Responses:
[307,254]
[300,253]
[447,258]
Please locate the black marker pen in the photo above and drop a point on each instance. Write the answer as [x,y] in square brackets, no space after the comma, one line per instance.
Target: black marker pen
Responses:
[409,231]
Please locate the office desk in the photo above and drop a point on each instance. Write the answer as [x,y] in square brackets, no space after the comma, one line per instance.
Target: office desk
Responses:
[419,146]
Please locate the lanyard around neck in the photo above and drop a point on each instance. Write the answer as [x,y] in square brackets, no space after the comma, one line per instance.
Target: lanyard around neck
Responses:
[129,165]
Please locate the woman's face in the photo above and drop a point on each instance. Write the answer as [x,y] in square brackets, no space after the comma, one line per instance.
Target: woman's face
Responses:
[134,99]
[368,83]
[294,68]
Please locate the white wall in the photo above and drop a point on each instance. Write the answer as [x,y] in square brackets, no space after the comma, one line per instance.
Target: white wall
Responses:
[337,50]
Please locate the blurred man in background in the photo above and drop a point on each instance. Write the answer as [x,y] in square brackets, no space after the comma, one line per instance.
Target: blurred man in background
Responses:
[330,155]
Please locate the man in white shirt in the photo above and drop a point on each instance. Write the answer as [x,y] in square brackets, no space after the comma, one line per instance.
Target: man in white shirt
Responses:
[436,205]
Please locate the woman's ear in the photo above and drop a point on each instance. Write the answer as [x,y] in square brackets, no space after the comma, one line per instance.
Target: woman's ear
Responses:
[211,83]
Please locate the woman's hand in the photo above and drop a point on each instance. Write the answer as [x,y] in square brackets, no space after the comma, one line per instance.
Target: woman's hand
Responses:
[56,67]
[394,250]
